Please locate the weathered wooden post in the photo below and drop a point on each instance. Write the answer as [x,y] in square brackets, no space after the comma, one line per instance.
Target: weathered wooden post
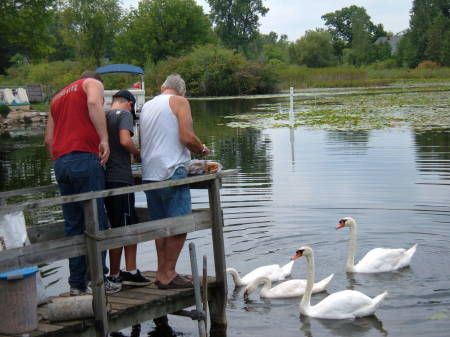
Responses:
[95,267]
[218,300]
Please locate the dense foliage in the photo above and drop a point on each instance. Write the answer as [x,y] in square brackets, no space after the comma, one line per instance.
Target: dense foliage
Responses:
[236,21]
[428,37]
[214,71]
[161,28]
[220,53]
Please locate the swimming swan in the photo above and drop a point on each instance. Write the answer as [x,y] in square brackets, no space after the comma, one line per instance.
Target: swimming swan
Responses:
[290,288]
[378,259]
[273,272]
[346,304]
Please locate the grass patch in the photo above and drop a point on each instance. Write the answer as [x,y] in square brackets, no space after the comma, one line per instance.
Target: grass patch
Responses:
[41,107]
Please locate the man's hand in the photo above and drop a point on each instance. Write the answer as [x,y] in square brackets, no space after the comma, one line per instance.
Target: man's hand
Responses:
[205,151]
[103,150]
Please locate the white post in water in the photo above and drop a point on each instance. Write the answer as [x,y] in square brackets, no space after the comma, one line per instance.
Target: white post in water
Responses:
[291,106]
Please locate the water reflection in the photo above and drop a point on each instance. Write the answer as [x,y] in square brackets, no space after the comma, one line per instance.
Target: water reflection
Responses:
[433,152]
[356,327]
[24,162]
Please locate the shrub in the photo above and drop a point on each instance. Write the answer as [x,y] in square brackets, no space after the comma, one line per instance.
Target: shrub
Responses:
[214,71]
[4,110]
[427,65]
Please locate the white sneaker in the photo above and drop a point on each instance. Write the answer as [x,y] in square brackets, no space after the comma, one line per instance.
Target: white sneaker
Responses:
[110,287]
[77,292]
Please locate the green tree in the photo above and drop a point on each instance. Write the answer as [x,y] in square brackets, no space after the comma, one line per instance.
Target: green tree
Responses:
[161,28]
[236,21]
[361,51]
[91,26]
[314,49]
[406,52]
[429,25]
[24,29]
[212,70]
[340,24]
[269,48]
[438,40]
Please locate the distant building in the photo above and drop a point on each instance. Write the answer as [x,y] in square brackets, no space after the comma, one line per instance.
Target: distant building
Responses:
[391,40]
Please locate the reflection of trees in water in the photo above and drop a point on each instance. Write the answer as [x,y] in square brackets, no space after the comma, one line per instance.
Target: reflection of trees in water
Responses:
[350,137]
[343,327]
[433,152]
[246,149]
[24,163]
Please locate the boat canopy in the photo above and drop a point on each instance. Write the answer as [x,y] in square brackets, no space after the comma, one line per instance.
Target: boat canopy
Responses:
[120,68]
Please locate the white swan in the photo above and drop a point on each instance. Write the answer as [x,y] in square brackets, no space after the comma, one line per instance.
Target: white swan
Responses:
[378,259]
[290,288]
[273,272]
[346,304]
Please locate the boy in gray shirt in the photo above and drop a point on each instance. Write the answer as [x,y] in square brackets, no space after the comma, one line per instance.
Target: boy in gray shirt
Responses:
[120,208]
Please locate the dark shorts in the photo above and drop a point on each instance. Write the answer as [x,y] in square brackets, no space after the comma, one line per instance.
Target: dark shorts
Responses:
[120,208]
[170,201]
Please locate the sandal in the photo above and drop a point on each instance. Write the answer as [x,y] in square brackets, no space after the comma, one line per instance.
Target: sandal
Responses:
[178,282]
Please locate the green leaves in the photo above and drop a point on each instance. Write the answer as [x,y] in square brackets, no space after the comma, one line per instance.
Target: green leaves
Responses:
[161,28]
[214,71]
[236,21]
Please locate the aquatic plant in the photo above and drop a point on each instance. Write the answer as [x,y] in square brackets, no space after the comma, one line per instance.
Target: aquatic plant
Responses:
[423,107]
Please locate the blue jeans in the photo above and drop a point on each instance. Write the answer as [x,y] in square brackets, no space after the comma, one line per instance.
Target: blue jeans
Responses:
[79,172]
[170,201]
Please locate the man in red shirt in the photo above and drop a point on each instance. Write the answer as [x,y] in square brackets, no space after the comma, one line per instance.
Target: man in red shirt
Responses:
[77,140]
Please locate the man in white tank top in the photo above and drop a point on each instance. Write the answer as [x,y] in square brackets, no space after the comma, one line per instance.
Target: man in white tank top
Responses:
[167,140]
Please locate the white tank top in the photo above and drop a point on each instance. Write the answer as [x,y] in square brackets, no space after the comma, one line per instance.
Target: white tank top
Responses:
[161,149]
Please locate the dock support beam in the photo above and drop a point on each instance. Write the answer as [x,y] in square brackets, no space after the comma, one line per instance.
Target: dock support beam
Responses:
[95,268]
[218,300]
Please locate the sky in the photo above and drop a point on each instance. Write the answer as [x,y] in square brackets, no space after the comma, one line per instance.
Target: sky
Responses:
[294,17]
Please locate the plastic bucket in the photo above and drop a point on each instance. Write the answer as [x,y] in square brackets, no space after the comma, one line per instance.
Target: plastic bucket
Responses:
[18,309]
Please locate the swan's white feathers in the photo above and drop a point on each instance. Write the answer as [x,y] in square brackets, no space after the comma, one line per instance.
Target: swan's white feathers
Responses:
[273,272]
[346,304]
[286,289]
[382,259]
[377,260]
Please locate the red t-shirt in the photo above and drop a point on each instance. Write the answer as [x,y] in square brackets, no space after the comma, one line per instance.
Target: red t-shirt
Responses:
[73,128]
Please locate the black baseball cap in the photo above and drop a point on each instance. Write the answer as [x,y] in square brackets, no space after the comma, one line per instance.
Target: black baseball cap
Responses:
[129,97]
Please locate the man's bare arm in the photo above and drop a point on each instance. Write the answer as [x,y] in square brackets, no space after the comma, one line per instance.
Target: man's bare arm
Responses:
[127,142]
[94,92]
[180,107]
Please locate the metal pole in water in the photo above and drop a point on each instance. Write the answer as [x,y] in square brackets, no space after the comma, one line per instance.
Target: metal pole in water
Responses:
[291,106]
[195,278]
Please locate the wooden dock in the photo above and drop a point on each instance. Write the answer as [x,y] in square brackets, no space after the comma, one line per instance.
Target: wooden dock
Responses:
[131,305]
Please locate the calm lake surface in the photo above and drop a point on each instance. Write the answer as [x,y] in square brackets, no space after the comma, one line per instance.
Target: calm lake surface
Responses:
[293,187]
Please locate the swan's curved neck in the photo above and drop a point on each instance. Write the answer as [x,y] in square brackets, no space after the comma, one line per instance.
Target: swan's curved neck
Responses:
[236,277]
[306,300]
[266,286]
[351,248]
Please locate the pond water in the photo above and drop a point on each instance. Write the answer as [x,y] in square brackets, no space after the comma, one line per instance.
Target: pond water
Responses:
[293,186]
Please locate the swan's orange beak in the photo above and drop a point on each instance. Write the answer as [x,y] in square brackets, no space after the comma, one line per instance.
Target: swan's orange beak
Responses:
[341,224]
[298,253]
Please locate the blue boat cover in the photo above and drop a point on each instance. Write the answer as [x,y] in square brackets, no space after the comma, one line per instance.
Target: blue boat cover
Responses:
[18,273]
[120,68]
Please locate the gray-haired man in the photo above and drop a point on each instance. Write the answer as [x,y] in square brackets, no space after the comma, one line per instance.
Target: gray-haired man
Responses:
[167,140]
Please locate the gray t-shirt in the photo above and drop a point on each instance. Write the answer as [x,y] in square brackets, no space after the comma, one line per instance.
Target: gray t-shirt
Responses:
[118,166]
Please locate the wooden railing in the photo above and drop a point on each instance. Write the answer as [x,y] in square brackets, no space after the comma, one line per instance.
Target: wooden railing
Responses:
[49,244]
